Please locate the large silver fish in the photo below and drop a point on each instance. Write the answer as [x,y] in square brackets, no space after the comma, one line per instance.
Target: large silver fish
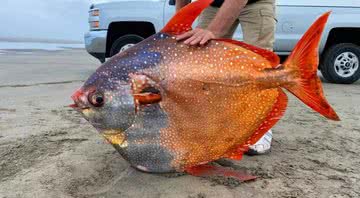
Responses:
[166,106]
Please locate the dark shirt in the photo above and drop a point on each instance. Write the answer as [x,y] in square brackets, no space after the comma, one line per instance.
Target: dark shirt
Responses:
[218,3]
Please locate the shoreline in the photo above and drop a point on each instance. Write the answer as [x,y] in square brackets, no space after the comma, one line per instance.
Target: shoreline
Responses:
[8,46]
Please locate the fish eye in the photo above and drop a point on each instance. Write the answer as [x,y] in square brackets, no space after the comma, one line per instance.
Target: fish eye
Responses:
[96,99]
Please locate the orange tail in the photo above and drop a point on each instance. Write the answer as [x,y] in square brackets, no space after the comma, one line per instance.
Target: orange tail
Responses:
[303,61]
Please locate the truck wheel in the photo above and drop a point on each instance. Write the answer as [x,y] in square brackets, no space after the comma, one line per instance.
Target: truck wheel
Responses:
[123,43]
[340,63]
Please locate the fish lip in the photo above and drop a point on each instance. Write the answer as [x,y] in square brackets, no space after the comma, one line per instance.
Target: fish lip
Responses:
[76,107]
[78,93]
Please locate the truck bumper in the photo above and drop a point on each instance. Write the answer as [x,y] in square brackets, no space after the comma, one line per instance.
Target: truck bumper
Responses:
[95,44]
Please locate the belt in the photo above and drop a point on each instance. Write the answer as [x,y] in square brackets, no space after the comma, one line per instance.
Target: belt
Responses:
[218,3]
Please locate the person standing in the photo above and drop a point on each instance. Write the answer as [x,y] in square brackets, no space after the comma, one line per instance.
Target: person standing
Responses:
[220,20]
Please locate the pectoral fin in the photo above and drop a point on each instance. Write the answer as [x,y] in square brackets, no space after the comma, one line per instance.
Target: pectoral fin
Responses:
[145,90]
[147,98]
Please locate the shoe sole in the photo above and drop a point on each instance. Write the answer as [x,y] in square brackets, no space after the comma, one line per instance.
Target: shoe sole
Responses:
[252,152]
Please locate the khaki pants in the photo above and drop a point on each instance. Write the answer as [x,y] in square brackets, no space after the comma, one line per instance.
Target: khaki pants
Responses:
[257,23]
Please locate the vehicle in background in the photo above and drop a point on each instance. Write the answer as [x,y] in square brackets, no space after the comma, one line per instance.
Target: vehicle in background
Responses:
[119,24]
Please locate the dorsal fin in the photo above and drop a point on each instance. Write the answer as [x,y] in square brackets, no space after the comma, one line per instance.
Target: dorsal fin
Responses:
[184,18]
[269,55]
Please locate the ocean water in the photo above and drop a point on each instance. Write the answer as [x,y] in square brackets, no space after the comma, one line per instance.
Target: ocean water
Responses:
[4,45]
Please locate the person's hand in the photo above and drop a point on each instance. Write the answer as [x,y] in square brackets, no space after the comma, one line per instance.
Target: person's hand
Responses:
[196,36]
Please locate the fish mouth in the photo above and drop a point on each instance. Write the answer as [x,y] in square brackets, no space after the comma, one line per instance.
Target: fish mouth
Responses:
[76,107]
[79,103]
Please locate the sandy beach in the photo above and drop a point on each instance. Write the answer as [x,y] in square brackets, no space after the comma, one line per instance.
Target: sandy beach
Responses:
[48,150]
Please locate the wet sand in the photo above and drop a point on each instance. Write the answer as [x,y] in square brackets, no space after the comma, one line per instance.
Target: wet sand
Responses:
[48,150]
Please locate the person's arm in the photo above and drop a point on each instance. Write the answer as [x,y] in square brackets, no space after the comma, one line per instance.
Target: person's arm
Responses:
[218,27]
[181,3]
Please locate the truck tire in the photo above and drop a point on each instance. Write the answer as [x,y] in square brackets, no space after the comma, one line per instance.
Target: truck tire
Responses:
[124,42]
[341,63]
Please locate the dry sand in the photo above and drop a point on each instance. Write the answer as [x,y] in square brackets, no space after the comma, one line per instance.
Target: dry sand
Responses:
[47,150]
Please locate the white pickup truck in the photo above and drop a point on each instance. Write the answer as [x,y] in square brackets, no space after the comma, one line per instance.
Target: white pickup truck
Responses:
[117,25]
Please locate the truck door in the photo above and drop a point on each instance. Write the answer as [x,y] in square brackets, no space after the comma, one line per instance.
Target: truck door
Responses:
[169,10]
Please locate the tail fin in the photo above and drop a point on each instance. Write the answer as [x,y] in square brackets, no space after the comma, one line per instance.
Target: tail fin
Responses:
[303,61]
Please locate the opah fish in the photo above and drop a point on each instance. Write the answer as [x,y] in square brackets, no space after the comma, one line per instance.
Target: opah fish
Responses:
[166,106]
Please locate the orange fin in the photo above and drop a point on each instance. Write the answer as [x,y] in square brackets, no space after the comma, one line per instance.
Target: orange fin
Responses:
[209,170]
[147,98]
[184,18]
[269,55]
[144,90]
[304,61]
[237,155]
[271,119]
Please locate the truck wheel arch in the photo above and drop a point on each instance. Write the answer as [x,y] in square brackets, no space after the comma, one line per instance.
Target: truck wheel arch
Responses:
[343,35]
[341,41]
[121,28]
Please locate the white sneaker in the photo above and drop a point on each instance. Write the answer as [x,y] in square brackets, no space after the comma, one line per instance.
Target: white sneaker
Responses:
[262,146]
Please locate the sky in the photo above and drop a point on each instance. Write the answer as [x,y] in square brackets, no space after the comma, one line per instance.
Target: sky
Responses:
[44,19]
